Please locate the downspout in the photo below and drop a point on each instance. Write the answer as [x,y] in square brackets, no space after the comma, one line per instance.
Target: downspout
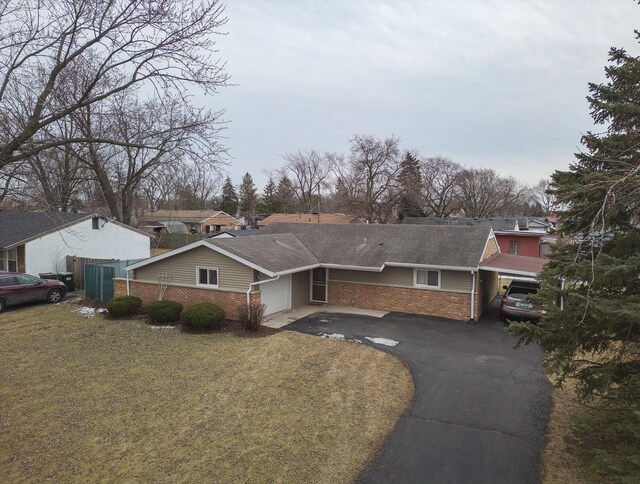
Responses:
[257,283]
[473,294]
[128,291]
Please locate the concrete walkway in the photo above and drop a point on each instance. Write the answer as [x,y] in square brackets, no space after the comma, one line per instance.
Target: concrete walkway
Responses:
[282,318]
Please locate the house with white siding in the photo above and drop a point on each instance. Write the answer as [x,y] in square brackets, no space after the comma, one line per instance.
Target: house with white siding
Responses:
[37,242]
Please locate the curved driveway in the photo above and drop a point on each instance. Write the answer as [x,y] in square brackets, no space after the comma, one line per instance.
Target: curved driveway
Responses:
[480,409]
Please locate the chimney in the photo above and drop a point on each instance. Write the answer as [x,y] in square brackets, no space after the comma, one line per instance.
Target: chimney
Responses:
[364,240]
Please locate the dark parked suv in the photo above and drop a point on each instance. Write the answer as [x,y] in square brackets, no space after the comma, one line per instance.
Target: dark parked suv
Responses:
[17,288]
[516,304]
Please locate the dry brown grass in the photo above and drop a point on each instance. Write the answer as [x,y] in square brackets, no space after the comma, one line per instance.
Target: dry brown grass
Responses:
[88,399]
[559,464]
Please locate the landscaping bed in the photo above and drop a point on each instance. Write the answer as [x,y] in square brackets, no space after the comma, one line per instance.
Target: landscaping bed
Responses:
[86,398]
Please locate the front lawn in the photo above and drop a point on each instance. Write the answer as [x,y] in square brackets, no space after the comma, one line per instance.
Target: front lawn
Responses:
[88,399]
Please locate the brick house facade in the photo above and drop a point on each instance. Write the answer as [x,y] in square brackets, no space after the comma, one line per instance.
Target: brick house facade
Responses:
[230,301]
[443,304]
[283,273]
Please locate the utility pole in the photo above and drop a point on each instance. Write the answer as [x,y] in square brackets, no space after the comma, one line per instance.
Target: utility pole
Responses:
[318,203]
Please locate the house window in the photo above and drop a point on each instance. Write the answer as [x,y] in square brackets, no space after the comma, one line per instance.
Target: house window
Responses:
[514,247]
[207,276]
[9,260]
[425,278]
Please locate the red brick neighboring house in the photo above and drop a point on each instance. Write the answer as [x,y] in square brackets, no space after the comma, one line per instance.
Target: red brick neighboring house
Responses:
[524,243]
[427,270]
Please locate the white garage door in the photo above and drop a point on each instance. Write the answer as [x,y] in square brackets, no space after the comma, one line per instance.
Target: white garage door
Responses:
[276,295]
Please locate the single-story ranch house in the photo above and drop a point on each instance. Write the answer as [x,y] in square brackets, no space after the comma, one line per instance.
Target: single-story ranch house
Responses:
[429,270]
[36,242]
[192,221]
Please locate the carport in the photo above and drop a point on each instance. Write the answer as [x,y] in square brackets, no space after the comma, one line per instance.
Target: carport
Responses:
[512,265]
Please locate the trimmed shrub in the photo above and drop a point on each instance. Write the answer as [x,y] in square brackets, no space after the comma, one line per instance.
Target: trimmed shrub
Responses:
[251,316]
[124,306]
[202,316]
[164,312]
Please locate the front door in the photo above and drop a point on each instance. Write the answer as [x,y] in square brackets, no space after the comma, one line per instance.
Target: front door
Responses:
[319,284]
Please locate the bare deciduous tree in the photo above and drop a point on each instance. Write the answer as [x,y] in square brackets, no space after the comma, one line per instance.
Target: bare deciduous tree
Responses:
[484,193]
[11,178]
[155,133]
[308,171]
[374,168]
[104,48]
[543,197]
[441,179]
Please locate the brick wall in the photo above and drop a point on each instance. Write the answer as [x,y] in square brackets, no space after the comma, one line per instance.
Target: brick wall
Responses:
[444,304]
[230,301]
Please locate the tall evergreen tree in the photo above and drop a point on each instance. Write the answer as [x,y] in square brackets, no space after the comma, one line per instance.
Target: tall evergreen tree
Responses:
[591,330]
[229,199]
[269,202]
[410,180]
[248,198]
[286,195]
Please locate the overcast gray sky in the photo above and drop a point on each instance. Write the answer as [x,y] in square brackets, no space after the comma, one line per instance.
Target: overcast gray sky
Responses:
[498,84]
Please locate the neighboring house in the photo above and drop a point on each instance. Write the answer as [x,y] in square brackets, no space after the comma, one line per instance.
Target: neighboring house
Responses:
[429,270]
[194,221]
[538,224]
[520,236]
[496,223]
[527,243]
[311,218]
[233,233]
[36,242]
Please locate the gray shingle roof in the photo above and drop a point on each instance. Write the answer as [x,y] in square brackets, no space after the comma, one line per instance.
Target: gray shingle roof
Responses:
[374,245]
[19,226]
[497,223]
[276,253]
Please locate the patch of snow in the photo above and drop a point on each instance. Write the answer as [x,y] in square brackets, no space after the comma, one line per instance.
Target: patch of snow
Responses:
[331,336]
[162,327]
[356,340]
[89,312]
[382,341]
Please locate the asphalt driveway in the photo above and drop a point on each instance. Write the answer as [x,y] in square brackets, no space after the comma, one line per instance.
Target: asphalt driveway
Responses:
[480,409]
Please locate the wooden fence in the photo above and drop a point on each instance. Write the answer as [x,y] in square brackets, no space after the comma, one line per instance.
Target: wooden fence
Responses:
[76,265]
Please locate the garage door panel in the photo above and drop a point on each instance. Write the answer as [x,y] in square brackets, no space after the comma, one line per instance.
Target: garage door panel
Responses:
[275,295]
